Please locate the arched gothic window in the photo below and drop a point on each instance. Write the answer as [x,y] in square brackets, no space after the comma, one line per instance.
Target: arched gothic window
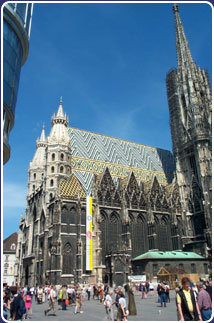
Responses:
[51,182]
[53,157]
[61,169]
[62,157]
[68,259]
[52,169]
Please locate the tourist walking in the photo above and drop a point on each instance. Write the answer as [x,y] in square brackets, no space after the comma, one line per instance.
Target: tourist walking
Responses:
[187,304]
[162,293]
[52,301]
[131,300]
[204,302]
[88,291]
[64,297]
[101,293]
[28,305]
[108,306]
[17,306]
[121,313]
[167,289]
[144,295]
[78,307]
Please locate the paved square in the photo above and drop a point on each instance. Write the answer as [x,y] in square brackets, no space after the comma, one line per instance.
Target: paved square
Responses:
[147,310]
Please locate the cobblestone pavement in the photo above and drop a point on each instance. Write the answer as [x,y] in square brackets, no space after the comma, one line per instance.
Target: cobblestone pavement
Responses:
[147,310]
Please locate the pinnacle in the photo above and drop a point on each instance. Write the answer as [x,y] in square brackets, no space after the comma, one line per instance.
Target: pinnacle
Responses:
[42,137]
[60,110]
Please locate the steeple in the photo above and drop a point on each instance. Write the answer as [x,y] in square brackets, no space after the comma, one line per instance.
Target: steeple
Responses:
[59,131]
[184,56]
[60,117]
[39,157]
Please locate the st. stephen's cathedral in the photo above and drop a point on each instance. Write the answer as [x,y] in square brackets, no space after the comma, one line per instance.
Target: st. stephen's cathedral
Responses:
[144,198]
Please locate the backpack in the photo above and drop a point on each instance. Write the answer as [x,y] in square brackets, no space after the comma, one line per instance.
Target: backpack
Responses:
[21,309]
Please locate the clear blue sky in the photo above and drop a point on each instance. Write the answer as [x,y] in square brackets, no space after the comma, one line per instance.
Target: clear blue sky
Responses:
[109,63]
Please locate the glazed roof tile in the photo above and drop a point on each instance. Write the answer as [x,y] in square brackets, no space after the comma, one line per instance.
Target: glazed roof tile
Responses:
[90,146]
[72,187]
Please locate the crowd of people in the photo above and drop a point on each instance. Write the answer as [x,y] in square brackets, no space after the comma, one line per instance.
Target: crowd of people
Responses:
[193,301]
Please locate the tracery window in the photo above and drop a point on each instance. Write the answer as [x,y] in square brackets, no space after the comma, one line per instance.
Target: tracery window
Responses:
[68,259]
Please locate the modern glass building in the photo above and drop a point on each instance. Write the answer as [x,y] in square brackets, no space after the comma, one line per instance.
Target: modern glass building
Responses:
[16,29]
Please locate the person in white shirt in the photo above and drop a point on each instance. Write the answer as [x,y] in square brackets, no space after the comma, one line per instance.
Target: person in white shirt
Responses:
[108,305]
[52,301]
[121,314]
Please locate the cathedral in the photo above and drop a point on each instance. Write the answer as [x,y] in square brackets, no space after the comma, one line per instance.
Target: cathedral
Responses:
[95,202]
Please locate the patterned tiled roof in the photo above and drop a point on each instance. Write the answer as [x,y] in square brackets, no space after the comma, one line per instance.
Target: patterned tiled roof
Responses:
[71,188]
[93,152]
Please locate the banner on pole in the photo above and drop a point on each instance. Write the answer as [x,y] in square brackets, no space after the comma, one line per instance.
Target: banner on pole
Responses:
[89,247]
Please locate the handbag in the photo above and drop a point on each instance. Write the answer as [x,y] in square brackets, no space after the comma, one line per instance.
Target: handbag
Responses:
[67,302]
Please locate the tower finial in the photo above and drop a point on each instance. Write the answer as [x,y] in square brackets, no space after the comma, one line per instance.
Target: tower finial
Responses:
[43,126]
[60,101]
[175,7]
[182,48]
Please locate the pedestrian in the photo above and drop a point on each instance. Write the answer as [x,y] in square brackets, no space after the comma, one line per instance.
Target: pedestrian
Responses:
[17,306]
[6,303]
[35,293]
[151,289]
[167,289]
[101,293]
[209,289]
[64,297]
[28,305]
[78,300]
[204,302]
[116,301]
[158,291]
[162,293]
[121,313]
[108,306]
[39,294]
[187,304]
[89,292]
[131,300]
[52,301]
[144,295]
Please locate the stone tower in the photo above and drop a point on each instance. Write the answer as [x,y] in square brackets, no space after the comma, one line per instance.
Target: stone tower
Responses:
[189,99]
[36,171]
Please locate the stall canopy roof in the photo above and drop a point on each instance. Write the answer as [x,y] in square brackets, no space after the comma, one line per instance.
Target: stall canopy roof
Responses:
[168,255]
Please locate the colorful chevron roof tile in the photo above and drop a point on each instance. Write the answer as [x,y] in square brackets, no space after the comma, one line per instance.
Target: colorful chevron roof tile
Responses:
[92,153]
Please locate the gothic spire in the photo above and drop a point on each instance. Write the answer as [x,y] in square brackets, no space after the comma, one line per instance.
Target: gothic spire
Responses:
[184,56]
[42,137]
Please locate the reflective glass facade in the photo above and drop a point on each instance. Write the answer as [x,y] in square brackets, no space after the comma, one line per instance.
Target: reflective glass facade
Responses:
[12,66]
[16,33]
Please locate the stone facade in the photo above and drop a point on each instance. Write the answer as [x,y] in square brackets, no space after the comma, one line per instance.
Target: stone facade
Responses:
[139,201]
